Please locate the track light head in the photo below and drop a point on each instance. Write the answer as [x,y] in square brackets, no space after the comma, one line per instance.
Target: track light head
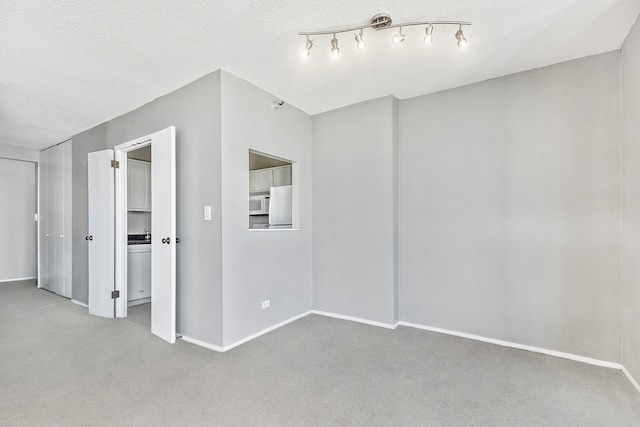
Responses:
[359,41]
[428,34]
[307,47]
[398,38]
[462,42]
[335,50]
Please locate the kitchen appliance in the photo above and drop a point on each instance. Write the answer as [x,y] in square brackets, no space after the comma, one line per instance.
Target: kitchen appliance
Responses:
[280,207]
[259,204]
[138,273]
[139,239]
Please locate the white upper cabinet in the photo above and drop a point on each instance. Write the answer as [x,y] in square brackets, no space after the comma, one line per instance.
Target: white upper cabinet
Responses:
[281,176]
[138,185]
[263,179]
[260,180]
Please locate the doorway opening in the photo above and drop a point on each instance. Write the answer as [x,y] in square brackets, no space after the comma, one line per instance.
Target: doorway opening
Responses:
[273,198]
[139,222]
[111,199]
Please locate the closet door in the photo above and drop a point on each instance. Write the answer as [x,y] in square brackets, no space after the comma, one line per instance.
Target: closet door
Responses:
[55,219]
[43,245]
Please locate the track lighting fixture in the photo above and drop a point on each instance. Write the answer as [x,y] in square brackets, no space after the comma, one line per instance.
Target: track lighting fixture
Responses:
[398,38]
[382,21]
[361,44]
[307,47]
[335,50]
[462,42]
[428,34]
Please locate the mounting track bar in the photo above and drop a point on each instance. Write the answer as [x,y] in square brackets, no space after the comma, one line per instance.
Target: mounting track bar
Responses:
[361,27]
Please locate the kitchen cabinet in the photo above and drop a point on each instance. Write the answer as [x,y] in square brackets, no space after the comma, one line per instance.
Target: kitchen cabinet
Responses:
[263,179]
[281,176]
[260,180]
[138,186]
[138,272]
[54,219]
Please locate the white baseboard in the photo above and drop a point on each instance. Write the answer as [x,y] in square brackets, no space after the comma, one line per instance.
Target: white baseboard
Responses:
[79,303]
[518,346]
[201,343]
[138,301]
[355,319]
[554,353]
[631,379]
[17,279]
[244,340]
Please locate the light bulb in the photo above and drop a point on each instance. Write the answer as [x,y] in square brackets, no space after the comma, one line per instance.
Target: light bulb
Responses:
[335,50]
[398,38]
[359,41]
[462,42]
[428,34]
[307,48]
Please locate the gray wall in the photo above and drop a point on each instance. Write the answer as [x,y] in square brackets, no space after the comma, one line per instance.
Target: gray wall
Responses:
[631,201]
[510,208]
[261,265]
[354,191]
[17,227]
[195,112]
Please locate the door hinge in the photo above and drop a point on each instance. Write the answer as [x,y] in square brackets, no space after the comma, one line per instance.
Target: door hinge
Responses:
[115,294]
[115,164]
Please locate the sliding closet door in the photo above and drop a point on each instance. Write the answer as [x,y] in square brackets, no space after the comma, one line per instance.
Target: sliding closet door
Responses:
[55,219]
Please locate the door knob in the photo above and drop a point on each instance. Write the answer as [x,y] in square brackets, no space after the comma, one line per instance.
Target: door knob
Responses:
[177,240]
[166,240]
[89,238]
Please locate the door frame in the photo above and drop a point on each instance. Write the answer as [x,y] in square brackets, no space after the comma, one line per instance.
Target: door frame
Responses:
[121,227]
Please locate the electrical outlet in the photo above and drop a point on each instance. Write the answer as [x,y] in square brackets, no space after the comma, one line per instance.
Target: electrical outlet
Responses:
[266,304]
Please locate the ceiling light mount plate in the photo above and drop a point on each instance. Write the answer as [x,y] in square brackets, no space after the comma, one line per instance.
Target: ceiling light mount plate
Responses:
[380,21]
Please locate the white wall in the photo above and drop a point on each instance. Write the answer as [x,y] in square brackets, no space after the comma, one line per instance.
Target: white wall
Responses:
[510,208]
[17,226]
[19,153]
[631,201]
[261,265]
[138,222]
[354,214]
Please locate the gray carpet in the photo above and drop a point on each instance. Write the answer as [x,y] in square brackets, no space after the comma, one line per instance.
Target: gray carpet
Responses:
[60,366]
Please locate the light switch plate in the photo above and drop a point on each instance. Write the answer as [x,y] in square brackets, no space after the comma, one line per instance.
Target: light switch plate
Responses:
[207,213]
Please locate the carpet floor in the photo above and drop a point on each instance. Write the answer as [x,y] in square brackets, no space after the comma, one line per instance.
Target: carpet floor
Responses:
[61,367]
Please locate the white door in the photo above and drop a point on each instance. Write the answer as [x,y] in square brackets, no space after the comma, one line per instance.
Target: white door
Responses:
[55,219]
[101,233]
[163,242]
[43,220]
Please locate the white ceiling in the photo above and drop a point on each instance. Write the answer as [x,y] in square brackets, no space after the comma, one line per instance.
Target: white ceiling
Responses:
[68,65]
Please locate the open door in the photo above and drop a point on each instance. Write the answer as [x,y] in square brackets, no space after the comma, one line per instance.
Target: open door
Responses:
[107,249]
[163,225]
[101,233]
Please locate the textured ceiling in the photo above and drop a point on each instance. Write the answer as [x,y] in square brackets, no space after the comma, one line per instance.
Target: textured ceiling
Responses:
[68,65]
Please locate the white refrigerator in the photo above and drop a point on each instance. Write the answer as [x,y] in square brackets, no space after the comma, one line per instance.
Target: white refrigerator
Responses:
[280,207]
